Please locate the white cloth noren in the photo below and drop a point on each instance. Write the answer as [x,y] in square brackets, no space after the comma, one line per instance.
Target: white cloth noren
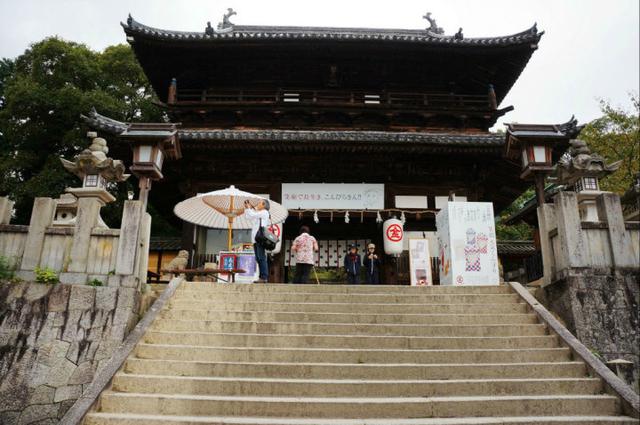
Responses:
[256,217]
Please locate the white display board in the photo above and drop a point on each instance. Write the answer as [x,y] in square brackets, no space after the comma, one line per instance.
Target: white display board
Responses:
[357,196]
[467,244]
[420,262]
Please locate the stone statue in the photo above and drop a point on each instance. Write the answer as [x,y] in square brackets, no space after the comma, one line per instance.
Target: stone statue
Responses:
[180,261]
[209,29]
[578,162]
[433,27]
[459,35]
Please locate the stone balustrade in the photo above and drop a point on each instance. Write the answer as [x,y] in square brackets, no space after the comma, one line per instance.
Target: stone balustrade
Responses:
[82,252]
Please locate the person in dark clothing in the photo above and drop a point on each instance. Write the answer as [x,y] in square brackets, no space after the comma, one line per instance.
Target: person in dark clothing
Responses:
[372,265]
[352,265]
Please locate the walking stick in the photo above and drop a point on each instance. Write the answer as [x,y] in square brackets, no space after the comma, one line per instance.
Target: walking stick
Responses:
[316,275]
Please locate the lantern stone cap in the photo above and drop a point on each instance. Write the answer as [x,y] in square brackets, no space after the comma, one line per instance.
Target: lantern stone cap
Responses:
[580,162]
[94,160]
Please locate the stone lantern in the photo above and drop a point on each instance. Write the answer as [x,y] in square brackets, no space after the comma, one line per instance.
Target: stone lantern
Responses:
[95,170]
[581,170]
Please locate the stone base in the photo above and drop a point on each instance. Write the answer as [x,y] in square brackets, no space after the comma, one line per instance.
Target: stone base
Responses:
[601,309]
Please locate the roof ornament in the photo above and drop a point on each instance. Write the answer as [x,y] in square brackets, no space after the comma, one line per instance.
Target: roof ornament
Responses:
[433,27]
[459,35]
[223,27]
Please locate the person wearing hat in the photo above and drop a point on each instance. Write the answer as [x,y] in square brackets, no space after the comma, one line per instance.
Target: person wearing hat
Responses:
[352,265]
[372,265]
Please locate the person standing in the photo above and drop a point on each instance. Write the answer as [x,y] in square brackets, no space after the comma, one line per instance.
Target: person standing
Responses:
[259,216]
[352,265]
[304,247]
[372,265]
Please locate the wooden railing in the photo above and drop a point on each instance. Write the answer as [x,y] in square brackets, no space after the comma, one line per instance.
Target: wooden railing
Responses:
[332,98]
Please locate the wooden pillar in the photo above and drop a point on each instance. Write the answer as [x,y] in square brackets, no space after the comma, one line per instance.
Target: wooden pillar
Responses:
[172,95]
[493,103]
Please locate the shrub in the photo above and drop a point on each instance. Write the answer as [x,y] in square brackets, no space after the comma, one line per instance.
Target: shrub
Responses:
[6,269]
[46,276]
[95,282]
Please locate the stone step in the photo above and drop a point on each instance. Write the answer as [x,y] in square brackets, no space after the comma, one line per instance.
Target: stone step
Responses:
[235,386]
[387,298]
[275,316]
[343,288]
[162,324]
[333,355]
[400,407]
[137,419]
[342,307]
[564,369]
[341,341]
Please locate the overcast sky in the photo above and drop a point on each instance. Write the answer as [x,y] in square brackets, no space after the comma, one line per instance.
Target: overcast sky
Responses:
[590,48]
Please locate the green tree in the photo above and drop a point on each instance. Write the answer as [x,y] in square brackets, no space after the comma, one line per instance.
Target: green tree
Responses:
[42,94]
[520,231]
[616,136]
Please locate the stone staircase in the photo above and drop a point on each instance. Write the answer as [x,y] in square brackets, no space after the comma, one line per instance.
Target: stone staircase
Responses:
[309,354]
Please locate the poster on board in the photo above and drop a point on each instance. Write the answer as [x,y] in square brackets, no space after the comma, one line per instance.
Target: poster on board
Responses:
[420,262]
[467,244]
[247,262]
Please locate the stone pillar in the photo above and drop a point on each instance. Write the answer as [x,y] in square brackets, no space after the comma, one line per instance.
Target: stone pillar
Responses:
[610,210]
[6,208]
[573,247]
[86,220]
[41,218]
[546,222]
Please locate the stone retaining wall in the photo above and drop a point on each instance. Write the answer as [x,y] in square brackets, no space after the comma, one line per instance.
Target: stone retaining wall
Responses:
[53,340]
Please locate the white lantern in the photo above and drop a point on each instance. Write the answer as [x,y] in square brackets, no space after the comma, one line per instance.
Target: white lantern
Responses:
[393,235]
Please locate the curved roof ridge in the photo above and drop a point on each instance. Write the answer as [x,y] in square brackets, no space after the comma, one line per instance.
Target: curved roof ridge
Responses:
[131,26]
[486,140]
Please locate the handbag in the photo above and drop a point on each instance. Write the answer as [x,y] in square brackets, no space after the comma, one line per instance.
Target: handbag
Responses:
[266,238]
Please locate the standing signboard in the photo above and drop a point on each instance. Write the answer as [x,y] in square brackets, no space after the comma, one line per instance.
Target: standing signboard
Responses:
[467,244]
[420,262]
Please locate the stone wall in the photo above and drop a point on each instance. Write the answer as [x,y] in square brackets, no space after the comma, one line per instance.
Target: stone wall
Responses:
[53,339]
[591,276]
[601,310]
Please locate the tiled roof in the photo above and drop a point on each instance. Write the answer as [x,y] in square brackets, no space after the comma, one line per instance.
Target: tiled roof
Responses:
[244,33]
[521,248]
[165,243]
[486,140]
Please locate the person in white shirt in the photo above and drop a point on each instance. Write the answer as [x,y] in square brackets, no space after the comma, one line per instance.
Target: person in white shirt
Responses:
[259,216]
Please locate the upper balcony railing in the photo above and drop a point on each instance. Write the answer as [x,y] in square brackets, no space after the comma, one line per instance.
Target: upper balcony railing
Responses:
[332,98]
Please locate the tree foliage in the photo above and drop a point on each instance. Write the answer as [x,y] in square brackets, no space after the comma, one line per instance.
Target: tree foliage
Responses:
[43,92]
[521,231]
[616,136]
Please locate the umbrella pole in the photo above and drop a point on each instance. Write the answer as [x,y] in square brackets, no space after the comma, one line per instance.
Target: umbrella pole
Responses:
[230,230]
